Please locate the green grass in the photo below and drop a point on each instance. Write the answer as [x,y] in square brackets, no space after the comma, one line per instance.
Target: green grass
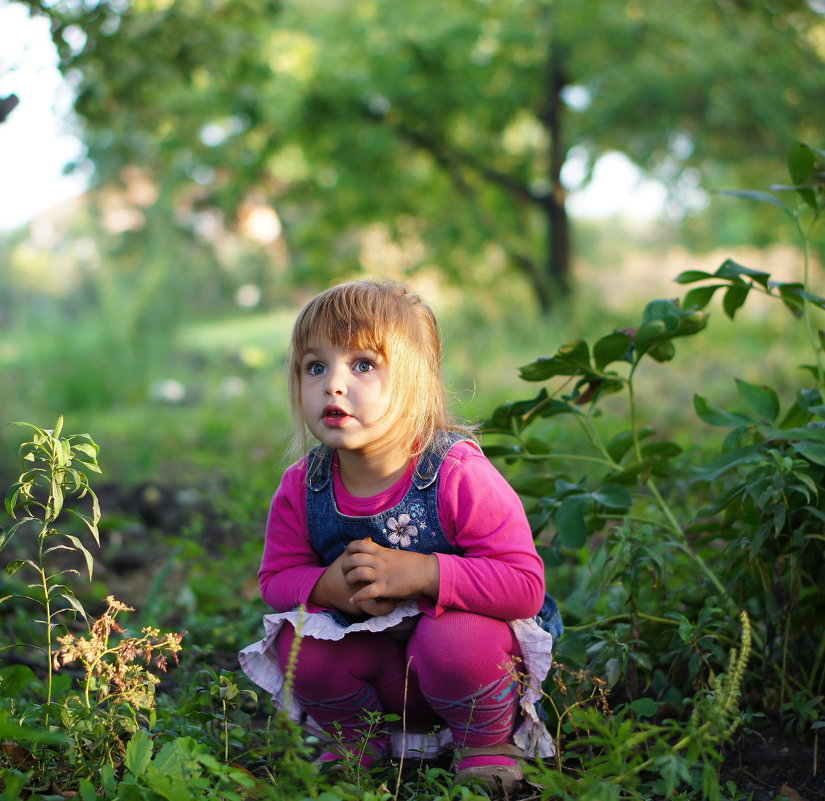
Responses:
[232,413]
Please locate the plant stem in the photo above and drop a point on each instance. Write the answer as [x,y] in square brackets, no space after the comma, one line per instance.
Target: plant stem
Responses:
[225,734]
[625,616]
[682,543]
[806,306]
[574,457]
[48,615]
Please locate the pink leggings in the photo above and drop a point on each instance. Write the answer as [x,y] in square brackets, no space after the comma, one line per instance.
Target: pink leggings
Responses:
[459,673]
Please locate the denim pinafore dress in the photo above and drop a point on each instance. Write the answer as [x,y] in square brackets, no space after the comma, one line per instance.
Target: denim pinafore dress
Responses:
[412,525]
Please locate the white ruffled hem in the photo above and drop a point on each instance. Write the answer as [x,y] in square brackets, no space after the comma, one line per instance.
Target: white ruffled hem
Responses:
[258,661]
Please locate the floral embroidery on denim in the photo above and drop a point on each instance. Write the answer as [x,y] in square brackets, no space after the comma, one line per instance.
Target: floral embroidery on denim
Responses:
[401,531]
[417,513]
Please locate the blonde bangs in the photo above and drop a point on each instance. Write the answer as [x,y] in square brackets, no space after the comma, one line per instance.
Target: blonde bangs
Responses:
[343,319]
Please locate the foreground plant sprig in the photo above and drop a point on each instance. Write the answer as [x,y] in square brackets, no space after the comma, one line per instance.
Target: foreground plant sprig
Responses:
[58,468]
[110,668]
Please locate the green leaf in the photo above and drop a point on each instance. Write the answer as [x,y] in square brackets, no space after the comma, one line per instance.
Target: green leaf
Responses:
[644,707]
[714,416]
[26,734]
[812,451]
[663,450]
[537,447]
[12,494]
[663,310]
[692,276]
[612,496]
[648,333]
[571,358]
[762,400]
[78,545]
[790,295]
[628,474]
[801,163]
[138,753]
[8,533]
[795,416]
[63,452]
[662,351]
[619,445]
[810,399]
[700,296]
[532,484]
[734,298]
[734,271]
[74,603]
[722,501]
[14,679]
[90,524]
[15,565]
[56,499]
[726,462]
[570,523]
[89,450]
[509,418]
[172,787]
[86,791]
[611,348]
[623,441]
[174,756]
[761,197]
[491,451]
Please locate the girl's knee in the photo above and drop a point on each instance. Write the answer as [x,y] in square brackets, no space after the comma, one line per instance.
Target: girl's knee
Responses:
[458,640]
[310,662]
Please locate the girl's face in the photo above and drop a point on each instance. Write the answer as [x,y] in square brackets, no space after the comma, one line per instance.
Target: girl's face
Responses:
[345,398]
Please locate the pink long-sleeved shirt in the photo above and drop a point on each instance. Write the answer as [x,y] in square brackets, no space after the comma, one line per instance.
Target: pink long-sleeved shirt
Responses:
[499,573]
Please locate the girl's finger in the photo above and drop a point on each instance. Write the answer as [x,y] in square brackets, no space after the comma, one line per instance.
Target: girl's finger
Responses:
[359,575]
[354,561]
[362,546]
[364,594]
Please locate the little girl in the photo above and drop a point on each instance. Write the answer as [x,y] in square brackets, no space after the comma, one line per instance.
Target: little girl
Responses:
[398,553]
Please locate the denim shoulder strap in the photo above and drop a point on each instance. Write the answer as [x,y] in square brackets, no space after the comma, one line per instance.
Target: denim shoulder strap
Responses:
[319,467]
[430,462]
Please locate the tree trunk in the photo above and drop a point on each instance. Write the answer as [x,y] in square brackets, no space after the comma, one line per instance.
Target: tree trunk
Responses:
[558,225]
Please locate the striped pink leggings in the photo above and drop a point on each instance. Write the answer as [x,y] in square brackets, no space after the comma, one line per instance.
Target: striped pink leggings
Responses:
[459,674]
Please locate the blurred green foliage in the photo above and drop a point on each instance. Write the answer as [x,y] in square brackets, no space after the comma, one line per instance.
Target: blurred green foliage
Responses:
[439,128]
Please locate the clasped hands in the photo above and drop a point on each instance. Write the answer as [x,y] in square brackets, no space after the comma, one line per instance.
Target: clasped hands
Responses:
[368,578]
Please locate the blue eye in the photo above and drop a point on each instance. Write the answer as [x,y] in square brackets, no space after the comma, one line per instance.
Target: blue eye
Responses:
[315,368]
[364,366]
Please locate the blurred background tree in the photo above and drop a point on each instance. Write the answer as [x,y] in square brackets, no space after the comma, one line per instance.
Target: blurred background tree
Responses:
[442,127]
[246,152]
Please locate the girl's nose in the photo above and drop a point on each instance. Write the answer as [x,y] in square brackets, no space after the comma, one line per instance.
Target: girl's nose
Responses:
[336,385]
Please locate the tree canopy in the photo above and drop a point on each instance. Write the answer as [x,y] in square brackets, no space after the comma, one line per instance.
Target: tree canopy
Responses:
[445,123]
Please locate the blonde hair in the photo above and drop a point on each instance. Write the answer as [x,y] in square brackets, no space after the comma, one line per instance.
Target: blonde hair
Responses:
[389,319]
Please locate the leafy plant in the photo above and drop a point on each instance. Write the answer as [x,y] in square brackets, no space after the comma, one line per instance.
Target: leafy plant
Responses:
[772,464]
[764,482]
[181,769]
[58,472]
[634,749]
[677,541]
[116,688]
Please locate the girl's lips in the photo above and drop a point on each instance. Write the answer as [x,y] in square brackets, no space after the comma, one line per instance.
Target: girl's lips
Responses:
[334,417]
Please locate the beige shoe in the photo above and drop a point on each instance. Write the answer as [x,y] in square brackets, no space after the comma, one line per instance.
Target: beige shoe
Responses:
[499,779]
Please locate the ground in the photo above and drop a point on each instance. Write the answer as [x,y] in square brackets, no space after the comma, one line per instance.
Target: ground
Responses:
[766,763]
[771,763]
